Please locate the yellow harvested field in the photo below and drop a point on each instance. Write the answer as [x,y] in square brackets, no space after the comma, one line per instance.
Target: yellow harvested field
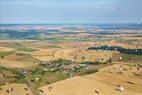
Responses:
[15,89]
[83,86]
[104,82]
[17,64]
[111,75]
[81,55]
[44,52]
[4,49]
[77,44]
[64,54]
[44,58]
[78,55]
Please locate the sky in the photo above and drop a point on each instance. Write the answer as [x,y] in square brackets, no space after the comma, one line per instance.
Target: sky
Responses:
[70,11]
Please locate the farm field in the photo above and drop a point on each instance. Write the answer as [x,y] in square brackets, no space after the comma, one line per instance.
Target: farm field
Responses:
[17,64]
[23,88]
[104,82]
[74,61]
[16,60]
[78,55]
[70,47]
[4,49]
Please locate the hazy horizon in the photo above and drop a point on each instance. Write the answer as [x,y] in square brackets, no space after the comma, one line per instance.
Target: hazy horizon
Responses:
[68,12]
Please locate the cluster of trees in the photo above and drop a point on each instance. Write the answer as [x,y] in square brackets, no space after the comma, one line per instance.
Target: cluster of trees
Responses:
[118,48]
[19,76]
[15,34]
[62,62]
[93,63]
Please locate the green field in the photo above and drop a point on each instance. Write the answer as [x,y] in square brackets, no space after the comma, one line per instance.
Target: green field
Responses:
[3,54]
[25,49]
[51,77]
[126,57]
